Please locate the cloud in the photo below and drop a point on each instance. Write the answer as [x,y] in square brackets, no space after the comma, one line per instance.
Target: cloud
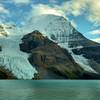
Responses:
[94,11]
[96,40]
[21,1]
[46,9]
[75,7]
[89,8]
[95,32]
[3,10]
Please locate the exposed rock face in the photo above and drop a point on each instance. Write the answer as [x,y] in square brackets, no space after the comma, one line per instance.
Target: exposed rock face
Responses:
[51,60]
[76,39]
[92,53]
[6,74]
[0,48]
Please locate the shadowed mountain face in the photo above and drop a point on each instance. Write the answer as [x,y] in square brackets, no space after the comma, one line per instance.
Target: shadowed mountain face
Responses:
[92,53]
[51,61]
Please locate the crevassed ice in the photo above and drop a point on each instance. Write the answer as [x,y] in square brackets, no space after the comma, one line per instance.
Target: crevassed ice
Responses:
[13,59]
[18,65]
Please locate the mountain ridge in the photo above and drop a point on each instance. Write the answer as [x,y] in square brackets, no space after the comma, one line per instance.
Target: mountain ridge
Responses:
[59,31]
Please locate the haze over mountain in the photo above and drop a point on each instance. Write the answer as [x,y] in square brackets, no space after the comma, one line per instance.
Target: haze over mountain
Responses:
[48,47]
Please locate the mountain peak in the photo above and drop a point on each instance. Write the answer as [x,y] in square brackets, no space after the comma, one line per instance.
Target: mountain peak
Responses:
[56,28]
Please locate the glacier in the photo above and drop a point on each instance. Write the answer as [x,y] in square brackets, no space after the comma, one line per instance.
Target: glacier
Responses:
[83,62]
[14,60]
[79,59]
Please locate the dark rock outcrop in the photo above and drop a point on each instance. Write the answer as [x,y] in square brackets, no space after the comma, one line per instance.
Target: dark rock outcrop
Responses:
[0,48]
[51,61]
[91,52]
[5,74]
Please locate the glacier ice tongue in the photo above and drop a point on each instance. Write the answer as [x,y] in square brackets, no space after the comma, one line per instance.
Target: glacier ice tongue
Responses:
[12,59]
[18,66]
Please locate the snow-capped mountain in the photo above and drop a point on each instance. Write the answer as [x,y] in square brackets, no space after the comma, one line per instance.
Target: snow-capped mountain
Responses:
[58,30]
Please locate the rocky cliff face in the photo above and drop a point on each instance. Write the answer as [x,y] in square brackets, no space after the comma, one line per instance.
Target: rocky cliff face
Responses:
[49,58]
[92,53]
[51,61]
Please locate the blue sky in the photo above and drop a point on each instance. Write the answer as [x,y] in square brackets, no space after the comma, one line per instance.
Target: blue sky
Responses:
[83,14]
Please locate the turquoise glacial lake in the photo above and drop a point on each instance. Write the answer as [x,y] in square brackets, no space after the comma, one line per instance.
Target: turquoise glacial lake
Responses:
[49,90]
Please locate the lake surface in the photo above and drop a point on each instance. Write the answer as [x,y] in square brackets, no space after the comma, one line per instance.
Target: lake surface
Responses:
[49,90]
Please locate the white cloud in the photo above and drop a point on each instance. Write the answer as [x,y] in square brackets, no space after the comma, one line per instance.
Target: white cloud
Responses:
[89,8]
[92,7]
[94,11]
[76,7]
[21,1]
[46,9]
[96,40]
[3,9]
[95,32]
